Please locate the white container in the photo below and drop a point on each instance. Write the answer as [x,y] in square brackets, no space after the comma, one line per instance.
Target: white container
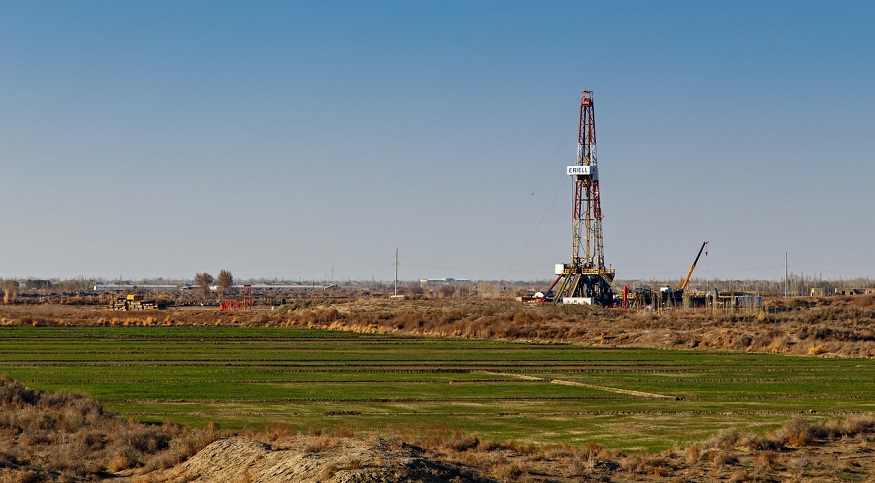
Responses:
[577,300]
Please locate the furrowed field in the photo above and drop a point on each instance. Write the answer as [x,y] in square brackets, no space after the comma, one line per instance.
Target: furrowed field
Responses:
[410,386]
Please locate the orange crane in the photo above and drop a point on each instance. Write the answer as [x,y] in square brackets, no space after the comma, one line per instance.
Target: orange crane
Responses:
[693,267]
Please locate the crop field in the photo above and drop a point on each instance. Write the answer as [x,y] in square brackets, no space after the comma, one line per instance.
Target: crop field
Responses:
[307,380]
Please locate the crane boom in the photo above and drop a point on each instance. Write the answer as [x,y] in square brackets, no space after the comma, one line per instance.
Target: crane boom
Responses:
[693,267]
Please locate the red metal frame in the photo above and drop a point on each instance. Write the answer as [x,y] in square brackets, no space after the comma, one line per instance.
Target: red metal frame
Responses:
[243,304]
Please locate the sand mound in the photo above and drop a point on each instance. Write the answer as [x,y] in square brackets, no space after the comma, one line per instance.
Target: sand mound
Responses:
[307,459]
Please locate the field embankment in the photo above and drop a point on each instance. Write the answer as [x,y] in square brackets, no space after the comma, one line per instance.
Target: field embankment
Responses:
[837,327]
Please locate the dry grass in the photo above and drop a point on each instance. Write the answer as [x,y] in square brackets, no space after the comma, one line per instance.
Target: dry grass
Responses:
[796,433]
[58,435]
[729,455]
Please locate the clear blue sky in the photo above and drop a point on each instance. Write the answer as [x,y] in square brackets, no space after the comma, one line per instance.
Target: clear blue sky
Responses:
[293,139]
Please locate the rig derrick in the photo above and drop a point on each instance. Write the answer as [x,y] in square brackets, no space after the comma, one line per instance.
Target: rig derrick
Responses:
[585,279]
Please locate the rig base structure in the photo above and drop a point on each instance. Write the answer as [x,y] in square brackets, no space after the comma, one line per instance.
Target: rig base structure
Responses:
[578,285]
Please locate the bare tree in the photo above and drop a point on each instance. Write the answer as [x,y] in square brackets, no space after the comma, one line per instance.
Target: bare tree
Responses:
[203,280]
[80,284]
[415,289]
[225,280]
[10,291]
[489,290]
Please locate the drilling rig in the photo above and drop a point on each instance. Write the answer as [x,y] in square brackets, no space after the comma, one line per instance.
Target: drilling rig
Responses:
[585,280]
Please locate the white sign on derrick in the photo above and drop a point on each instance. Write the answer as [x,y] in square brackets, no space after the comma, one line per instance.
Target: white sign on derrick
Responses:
[581,170]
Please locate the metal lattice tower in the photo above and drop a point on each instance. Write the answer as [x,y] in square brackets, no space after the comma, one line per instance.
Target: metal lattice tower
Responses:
[585,279]
[586,211]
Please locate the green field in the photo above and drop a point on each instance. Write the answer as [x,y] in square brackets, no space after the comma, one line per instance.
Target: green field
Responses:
[240,378]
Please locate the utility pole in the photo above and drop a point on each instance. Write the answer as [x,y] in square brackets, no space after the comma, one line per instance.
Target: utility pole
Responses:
[786,276]
[396,272]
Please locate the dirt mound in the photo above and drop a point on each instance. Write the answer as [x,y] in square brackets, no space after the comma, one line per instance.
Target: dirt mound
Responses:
[309,459]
